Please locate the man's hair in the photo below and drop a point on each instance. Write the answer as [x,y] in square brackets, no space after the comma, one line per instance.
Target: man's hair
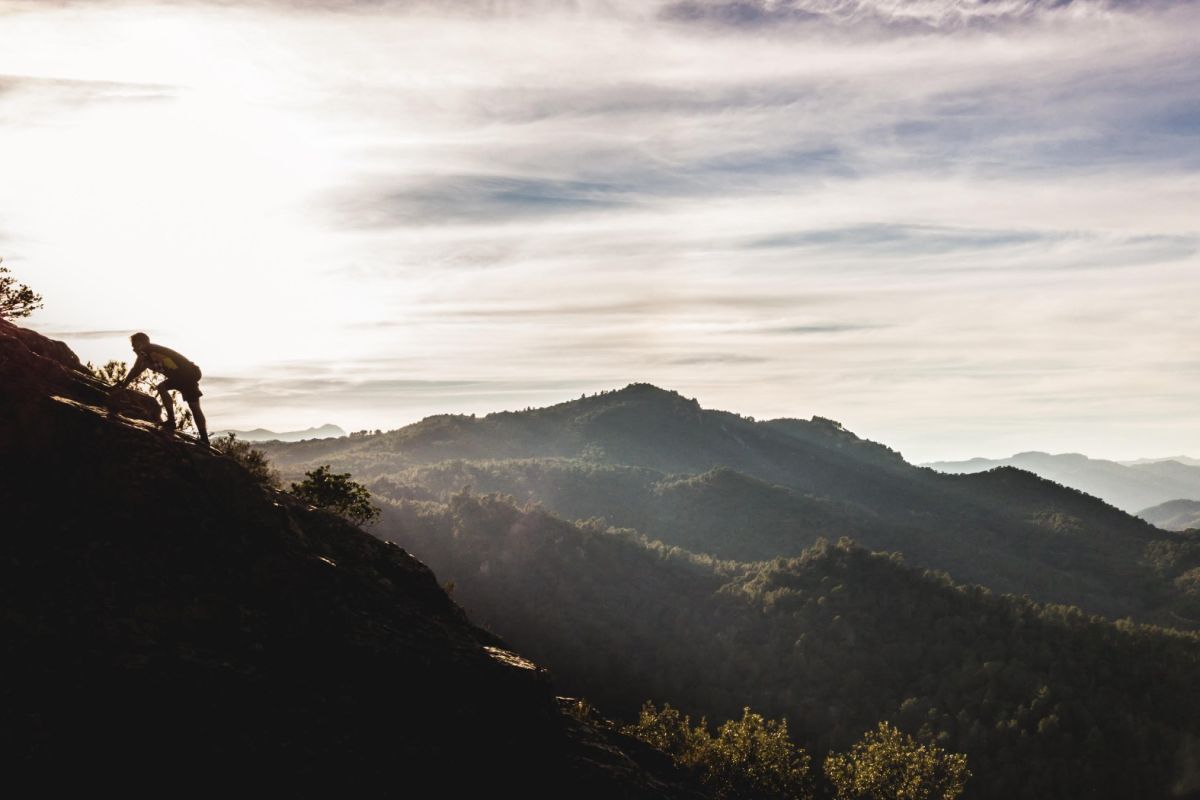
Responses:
[139,338]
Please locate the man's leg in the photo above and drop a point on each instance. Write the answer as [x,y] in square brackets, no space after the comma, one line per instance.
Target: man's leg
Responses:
[198,418]
[165,395]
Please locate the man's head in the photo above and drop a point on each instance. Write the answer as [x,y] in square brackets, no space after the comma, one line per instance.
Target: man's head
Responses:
[139,341]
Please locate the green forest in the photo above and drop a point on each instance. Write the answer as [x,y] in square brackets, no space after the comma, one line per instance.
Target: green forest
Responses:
[1044,700]
[733,487]
[646,549]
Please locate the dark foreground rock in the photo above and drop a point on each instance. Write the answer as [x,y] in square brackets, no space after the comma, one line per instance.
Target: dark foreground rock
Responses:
[162,617]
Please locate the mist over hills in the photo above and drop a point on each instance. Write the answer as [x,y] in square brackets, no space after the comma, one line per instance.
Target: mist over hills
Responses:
[719,483]
[1186,460]
[1130,486]
[263,435]
[1176,515]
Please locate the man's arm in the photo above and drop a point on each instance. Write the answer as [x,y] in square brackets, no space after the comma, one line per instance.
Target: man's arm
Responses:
[139,366]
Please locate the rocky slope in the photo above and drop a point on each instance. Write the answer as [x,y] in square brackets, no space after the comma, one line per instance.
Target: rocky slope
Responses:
[161,616]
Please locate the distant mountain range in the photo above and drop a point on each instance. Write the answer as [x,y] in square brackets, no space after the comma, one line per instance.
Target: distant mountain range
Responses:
[264,435]
[1176,515]
[1130,486]
[1191,462]
[737,488]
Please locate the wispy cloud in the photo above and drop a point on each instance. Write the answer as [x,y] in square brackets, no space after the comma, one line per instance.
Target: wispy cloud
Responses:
[113,334]
[915,17]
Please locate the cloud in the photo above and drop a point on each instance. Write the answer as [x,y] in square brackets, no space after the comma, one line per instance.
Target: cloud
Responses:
[69,334]
[79,92]
[473,198]
[891,213]
[809,330]
[700,359]
[903,17]
[903,240]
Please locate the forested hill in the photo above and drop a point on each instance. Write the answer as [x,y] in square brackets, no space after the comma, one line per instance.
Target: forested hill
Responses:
[719,483]
[1046,701]
[167,622]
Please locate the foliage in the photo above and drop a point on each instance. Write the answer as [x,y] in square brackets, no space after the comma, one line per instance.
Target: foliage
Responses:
[1044,700]
[113,372]
[672,732]
[338,493]
[254,460]
[16,299]
[748,758]
[889,765]
[756,755]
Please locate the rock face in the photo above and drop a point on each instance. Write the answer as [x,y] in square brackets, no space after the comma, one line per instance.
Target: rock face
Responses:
[162,616]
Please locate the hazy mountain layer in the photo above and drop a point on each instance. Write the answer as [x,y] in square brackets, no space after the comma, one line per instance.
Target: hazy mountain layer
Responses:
[1130,487]
[264,435]
[1045,701]
[1176,515]
[1185,460]
[718,483]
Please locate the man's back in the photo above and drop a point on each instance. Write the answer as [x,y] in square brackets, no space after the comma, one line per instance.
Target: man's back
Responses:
[165,360]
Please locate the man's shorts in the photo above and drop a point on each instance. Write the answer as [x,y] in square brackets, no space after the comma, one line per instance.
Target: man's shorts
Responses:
[185,381]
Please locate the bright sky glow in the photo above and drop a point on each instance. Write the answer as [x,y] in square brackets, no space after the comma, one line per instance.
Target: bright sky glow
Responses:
[960,228]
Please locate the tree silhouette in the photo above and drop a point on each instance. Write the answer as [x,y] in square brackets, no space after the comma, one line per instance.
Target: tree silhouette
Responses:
[16,299]
[338,493]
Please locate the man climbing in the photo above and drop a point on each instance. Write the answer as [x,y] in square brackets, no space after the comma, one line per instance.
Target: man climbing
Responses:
[182,375]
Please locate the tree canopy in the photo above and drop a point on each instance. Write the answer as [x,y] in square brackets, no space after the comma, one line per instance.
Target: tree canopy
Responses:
[16,299]
[338,493]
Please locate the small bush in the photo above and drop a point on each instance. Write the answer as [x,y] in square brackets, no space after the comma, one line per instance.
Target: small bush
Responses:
[748,758]
[887,764]
[16,299]
[338,493]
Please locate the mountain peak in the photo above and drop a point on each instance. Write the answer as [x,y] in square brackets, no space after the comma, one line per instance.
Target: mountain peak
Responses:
[645,390]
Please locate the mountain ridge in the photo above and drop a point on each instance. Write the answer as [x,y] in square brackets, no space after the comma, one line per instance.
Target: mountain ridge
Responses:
[326,431]
[1009,530]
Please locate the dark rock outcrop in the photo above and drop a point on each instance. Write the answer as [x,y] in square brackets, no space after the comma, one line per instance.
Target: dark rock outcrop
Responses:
[162,616]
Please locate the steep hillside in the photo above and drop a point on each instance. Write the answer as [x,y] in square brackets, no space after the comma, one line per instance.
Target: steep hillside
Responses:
[163,617]
[734,487]
[1046,701]
[1175,515]
[1129,487]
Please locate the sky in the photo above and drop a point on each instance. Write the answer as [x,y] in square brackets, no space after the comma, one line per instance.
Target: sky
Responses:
[959,228]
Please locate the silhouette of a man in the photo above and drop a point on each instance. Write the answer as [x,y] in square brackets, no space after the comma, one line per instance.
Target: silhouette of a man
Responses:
[181,375]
